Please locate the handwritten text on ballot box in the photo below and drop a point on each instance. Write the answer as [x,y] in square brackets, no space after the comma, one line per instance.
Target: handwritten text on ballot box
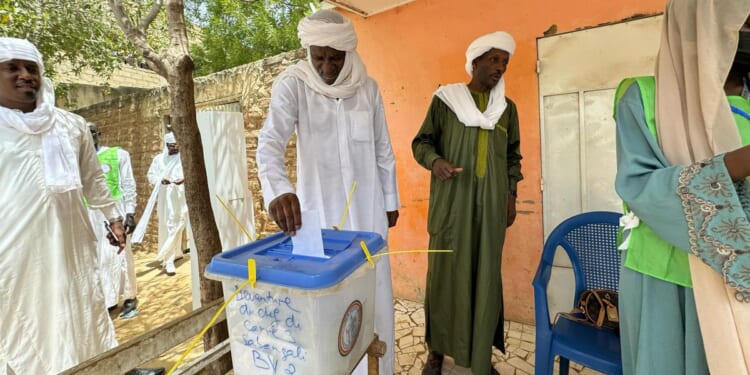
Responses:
[305,315]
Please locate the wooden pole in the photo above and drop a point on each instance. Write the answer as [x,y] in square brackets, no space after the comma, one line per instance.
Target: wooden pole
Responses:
[374,353]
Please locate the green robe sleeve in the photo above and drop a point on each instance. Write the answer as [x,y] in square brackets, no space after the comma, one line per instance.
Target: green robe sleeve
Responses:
[514,149]
[425,144]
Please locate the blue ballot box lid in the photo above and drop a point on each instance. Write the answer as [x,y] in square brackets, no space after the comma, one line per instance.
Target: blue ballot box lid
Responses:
[275,263]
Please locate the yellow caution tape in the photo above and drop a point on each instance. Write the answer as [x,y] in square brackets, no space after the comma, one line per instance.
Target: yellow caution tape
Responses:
[249,237]
[252,275]
[346,208]
[363,245]
[396,252]
[209,325]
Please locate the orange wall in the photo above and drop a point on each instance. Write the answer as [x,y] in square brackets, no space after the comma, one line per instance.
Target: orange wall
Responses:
[410,50]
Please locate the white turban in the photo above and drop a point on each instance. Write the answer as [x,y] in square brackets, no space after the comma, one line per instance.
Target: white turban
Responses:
[61,169]
[20,49]
[328,28]
[459,99]
[499,40]
[169,162]
[169,138]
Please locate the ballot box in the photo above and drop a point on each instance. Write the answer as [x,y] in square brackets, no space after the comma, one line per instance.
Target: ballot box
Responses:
[305,315]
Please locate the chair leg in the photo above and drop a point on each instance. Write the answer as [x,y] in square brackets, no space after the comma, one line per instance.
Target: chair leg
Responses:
[543,360]
[564,365]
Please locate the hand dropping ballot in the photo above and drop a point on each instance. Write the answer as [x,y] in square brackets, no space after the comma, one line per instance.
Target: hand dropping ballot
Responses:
[308,240]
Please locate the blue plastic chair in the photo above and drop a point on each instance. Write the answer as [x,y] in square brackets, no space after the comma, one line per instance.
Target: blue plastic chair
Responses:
[590,240]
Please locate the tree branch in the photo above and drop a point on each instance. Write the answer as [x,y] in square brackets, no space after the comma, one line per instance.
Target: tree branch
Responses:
[151,16]
[138,38]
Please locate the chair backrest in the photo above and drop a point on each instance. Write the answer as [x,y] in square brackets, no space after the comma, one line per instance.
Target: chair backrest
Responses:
[590,240]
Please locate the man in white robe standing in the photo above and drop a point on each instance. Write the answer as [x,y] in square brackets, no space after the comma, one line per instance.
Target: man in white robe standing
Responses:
[117,270]
[53,311]
[342,137]
[165,173]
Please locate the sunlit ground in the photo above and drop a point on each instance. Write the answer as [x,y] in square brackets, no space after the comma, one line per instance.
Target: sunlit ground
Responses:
[161,299]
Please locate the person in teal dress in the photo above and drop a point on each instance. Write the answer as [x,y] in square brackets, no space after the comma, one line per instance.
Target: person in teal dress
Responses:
[682,165]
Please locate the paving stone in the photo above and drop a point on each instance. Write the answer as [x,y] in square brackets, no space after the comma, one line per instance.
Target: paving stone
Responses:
[531,359]
[528,337]
[515,326]
[505,368]
[401,319]
[516,341]
[402,332]
[521,365]
[497,357]
[405,358]
[418,317]
[418,331]
[412,351]
[406,341]
[527,346]
[521,353]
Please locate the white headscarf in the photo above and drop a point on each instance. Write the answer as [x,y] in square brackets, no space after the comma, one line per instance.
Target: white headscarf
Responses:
[327,28]
[171,165]
[169,138]
[61,170]
[457,95]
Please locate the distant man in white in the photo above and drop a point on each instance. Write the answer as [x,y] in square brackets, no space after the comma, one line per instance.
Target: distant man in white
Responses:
[337,112]
[117,271]
[52,314]
[166,175]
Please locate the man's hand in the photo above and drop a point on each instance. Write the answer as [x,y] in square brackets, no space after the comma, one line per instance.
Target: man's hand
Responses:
[130,223]
[392,218]
[286,212]
[165,182]
[443,170]
[511,209]
[119,230]
[179,182]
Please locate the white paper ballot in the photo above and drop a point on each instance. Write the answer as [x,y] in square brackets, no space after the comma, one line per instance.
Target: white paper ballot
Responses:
[308,240]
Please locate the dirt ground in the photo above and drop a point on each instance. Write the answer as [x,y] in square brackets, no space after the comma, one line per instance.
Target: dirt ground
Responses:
[161,299]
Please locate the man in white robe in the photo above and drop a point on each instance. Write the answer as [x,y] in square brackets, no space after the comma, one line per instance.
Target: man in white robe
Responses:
[117,271]
[53,314]
[167,177]
[342,137]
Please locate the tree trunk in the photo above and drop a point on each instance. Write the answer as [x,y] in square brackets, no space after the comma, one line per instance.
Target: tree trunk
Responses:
[176,66]
[202,222]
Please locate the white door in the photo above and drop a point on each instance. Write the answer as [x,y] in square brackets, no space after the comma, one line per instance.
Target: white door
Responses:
[578,74]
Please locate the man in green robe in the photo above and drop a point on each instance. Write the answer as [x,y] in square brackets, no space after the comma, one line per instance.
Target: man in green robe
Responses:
[470,142]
